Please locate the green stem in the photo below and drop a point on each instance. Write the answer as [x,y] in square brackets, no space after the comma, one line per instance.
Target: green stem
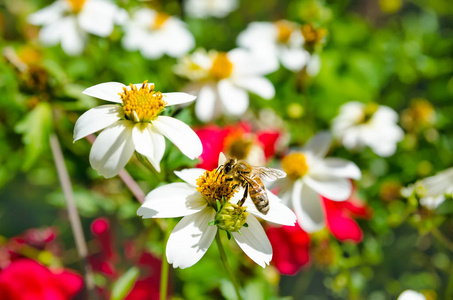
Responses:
[227,266]
[164,268]
[439,235]
[449,290]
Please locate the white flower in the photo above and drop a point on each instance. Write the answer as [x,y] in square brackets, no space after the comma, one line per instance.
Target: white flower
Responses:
[411,295]
[68,22]
[133,123]
[208,8]
[359,125]
[221,81]
[282,41]
[310,175]
[432,190]
[156,33]
[193,235]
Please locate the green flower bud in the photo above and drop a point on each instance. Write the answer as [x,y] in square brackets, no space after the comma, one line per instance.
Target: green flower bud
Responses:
[231,217]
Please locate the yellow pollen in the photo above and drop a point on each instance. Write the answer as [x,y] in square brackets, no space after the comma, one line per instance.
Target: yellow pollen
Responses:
[212,186]
[76,5]
[142,105]
[284,31]
[295,165]
[159,21]
[221,66]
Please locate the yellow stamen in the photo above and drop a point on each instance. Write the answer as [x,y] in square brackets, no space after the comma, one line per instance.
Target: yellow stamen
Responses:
[76,5]
[212,186]
[142,105]
[419,115]
[221,66]
[159,21]
[295,165]
[312,36]
[284,31]
[238,144]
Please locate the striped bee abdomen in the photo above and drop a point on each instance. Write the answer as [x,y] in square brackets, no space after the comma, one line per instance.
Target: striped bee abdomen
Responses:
[258,195]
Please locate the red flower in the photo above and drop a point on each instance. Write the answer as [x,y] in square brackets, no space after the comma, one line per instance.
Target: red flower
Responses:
[26,279]
[236,140]
[103,261]
[290,246]
[147,286]
[340,218]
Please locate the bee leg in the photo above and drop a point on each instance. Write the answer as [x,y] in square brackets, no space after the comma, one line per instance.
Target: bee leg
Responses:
[246,191]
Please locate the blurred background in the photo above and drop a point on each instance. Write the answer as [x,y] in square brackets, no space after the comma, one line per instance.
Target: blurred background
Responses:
[396,53]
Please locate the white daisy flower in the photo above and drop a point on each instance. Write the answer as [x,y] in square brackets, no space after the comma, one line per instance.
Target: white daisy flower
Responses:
[156,33]
[208,8]
[411,295]
[359,125]
[282,41]
[221,81]
[310,175]
[69,21]
[196,201]
[432,190]
[133,123]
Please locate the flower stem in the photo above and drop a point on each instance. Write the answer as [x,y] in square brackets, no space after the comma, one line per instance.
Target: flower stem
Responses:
[227,266]
[164,268]
[73,213]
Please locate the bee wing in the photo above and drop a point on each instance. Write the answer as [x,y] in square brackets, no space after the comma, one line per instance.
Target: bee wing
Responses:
[268,174]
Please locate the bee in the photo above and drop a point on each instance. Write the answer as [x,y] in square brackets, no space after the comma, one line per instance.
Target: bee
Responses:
[249,177]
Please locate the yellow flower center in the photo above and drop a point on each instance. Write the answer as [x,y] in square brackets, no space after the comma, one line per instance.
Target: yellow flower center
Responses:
[142,105]
[312,36]
[159,21]
[295,165]
[221,66]
[368,112]
[284,30]
[419,115]
[76,5]
[212,186]
[238,145]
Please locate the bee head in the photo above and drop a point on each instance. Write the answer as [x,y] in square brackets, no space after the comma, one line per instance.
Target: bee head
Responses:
[229,165]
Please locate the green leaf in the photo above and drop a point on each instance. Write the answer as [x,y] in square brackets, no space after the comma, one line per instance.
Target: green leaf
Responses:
[124,284]
[35,129]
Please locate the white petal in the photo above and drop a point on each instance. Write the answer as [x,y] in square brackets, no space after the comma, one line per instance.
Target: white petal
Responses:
[336,167]
[191,238]
[98,17]
[257,85]
[222,159]
[149,143]
[182,40]
[96,119]
[112,149]
[278,212]
[48,14]
[294,59]
[73,39]
[319,145]
[411,295]
[190,175]
[106,91]
[171,201]
[177,98]
[206,103]
[333,188]
[235,100]
[254,242]
[179,134]
[307,206]
[52,33]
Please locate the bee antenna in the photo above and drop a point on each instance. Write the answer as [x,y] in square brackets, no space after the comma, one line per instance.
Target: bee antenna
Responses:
[219,168]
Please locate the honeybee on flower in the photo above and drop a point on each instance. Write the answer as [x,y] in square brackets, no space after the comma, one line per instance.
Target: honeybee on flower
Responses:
[207,202]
